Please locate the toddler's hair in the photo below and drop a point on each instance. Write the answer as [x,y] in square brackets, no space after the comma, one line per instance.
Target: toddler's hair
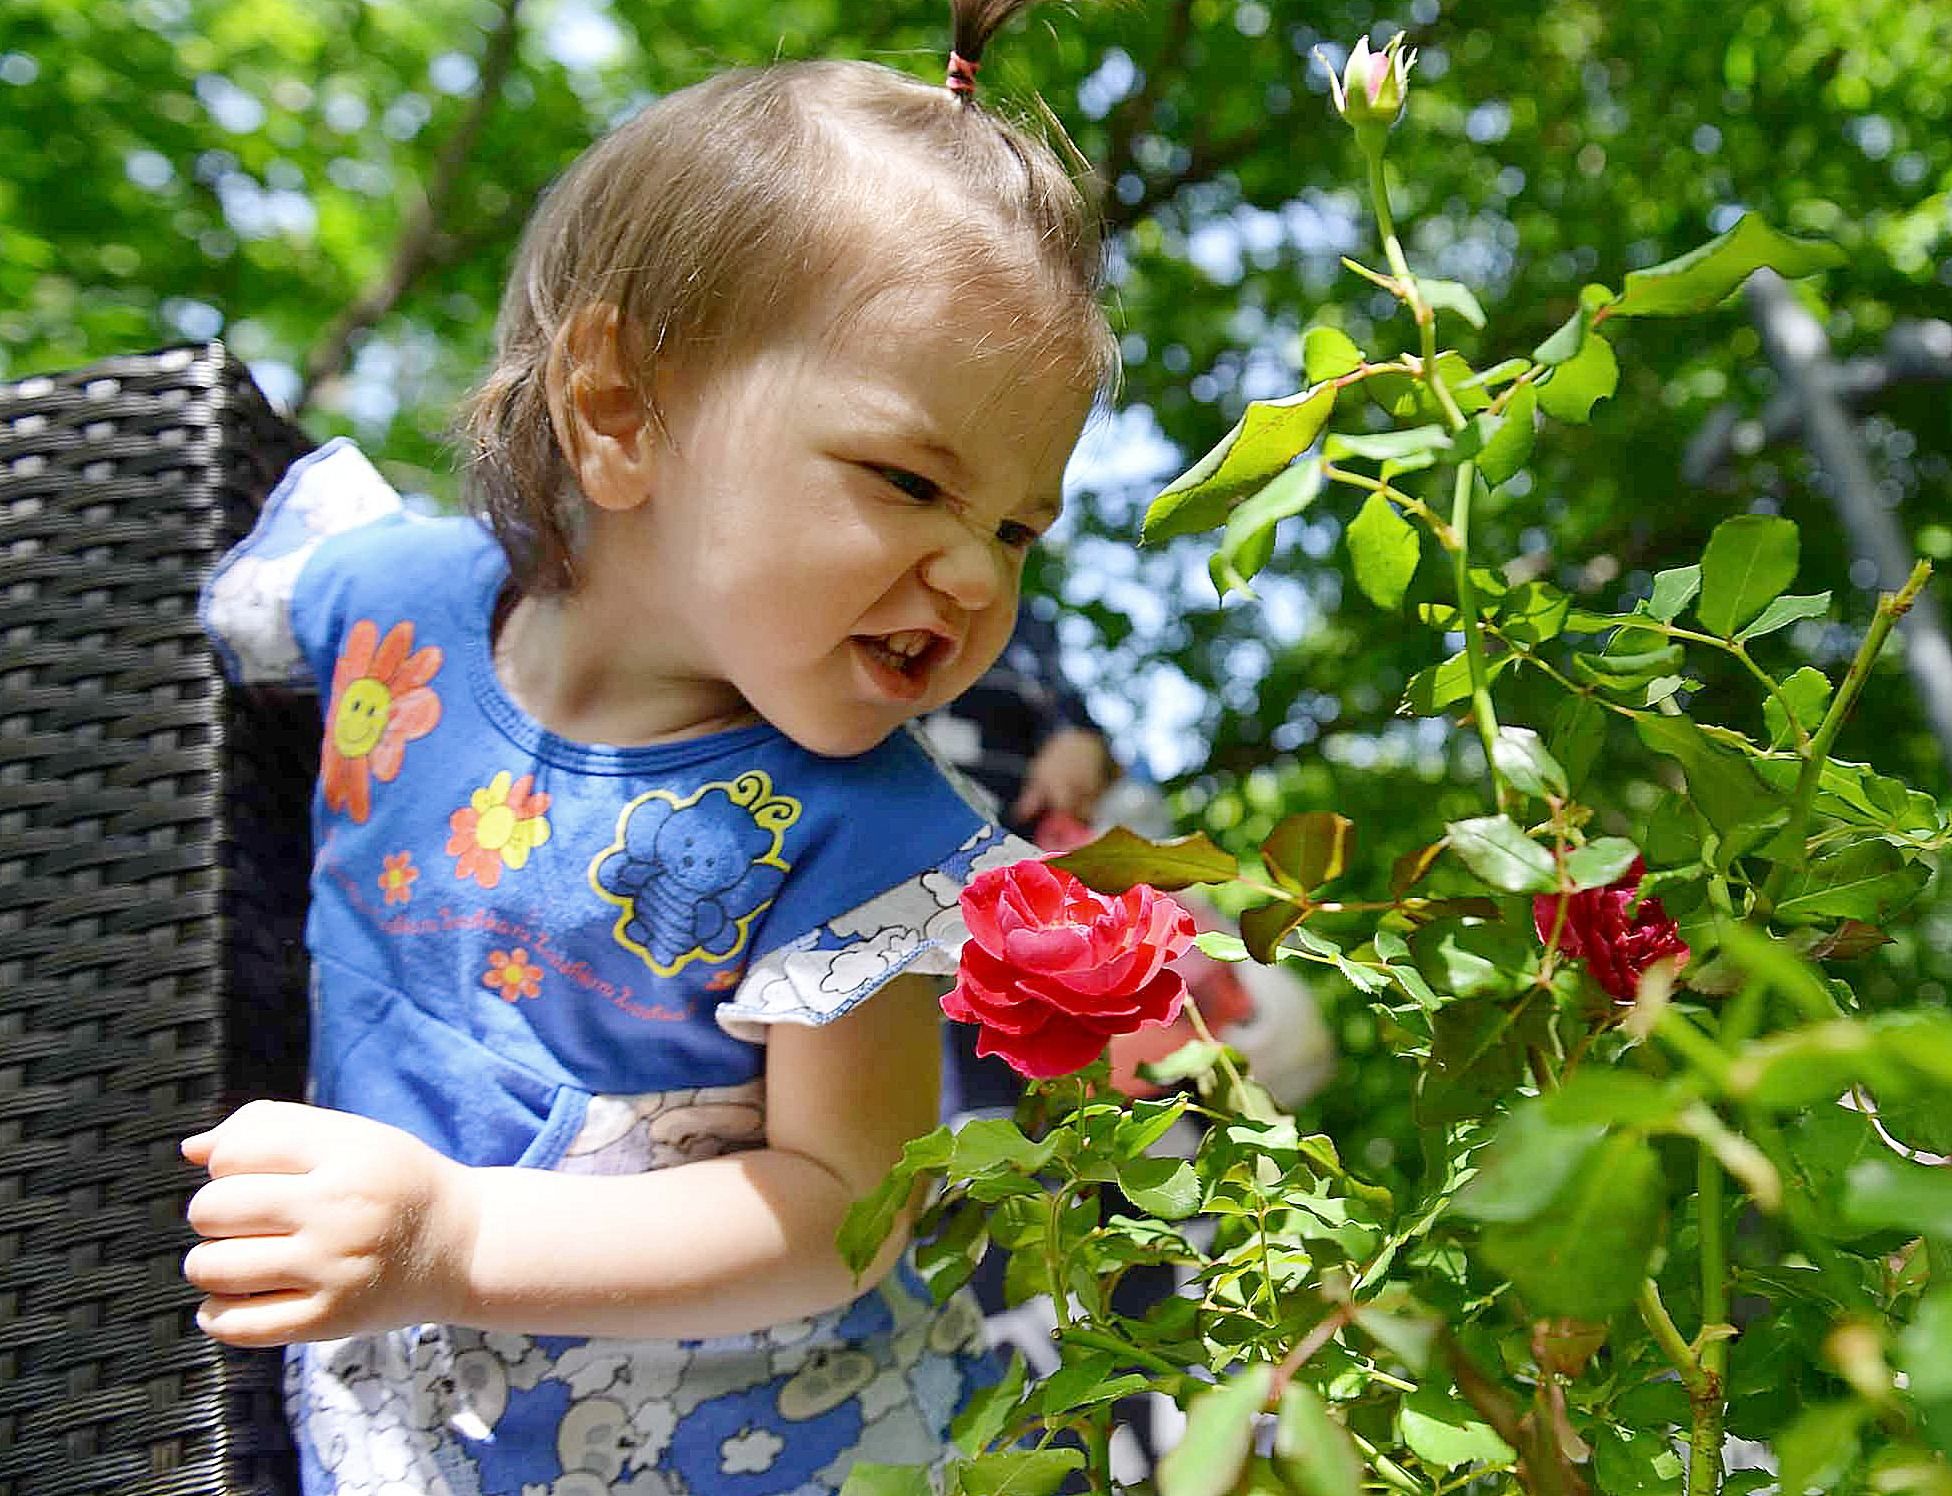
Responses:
[763,201]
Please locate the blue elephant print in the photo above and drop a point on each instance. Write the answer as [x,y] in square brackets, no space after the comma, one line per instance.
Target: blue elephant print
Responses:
[691,874]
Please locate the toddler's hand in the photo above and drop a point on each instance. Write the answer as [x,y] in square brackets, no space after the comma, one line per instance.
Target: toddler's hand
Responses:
[1067,775]
[320,1224]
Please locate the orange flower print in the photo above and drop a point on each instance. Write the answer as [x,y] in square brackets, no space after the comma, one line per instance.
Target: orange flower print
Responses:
[512,974]
[396,882]
[498,827]
[380,703]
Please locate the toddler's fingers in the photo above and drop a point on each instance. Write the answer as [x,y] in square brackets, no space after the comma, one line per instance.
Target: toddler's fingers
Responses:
[248,1205]
[259,1320]
[245,1266]
[260,1137]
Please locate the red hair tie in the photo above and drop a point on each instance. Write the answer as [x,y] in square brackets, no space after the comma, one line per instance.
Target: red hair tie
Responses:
[962,75]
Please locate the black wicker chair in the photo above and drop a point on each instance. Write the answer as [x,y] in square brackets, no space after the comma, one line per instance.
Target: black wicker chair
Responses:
[153,848]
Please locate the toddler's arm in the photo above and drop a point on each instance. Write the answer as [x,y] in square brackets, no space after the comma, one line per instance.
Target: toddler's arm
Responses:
[322,1224]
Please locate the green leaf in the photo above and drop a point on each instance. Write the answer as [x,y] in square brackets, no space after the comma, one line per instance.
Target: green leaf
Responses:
[1475,1058]
[1522,758]
[1627,672]
[1219,1434]
[869,1220]
[1387,446]
[1867,880]
[1533,612]
[1571,391]
[1167,1187]
[1148,1122]
[1122,859]
[1311,1450]
[1808,694]
[1586,1253]
[1263,926]
[1695,281]
[1193,1058]
[1507,444]
[985,1143]
[1248,541]
[1497,849]
[1602,861]
[1564,345]
[1437,686]
[1501,373]
[1307,850]
[1451,296]
[1529,1160]
[888,1480]
[1448,1431]
[1673,591]
[1383,550]
[1578,735]
[1472,960]
[1266,439]
[1076,1383]
[1785,611]
[1328,353]
[1614,1098]
[1019,1472]
[1925,1353]
[1749,559]
[1739,804]
[1819,1448]
[1409,1333]
[1810,1065]
[1896,1194]
[987,1413]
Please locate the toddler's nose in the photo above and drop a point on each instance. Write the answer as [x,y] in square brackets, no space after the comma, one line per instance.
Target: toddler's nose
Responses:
[971,571]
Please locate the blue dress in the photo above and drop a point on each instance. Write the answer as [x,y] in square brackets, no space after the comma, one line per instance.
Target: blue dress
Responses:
[556,955]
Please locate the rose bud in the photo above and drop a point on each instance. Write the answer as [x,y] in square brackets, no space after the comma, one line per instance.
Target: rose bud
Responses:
[1374,85]
[1616,947]
[1052,970]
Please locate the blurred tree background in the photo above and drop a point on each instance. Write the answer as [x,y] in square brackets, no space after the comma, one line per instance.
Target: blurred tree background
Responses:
[335,187]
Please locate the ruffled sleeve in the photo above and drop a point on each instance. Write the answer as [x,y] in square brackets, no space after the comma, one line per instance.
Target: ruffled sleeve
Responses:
[915,926]
[246,606]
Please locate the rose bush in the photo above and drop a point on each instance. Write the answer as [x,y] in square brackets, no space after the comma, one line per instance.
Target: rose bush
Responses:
[1053,971]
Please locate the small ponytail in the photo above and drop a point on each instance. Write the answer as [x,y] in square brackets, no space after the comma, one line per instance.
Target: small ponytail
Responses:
[973,23]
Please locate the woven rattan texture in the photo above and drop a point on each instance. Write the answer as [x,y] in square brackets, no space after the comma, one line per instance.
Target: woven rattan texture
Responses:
[152,857]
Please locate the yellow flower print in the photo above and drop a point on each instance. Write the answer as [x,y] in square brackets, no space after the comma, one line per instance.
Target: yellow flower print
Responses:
[498,827]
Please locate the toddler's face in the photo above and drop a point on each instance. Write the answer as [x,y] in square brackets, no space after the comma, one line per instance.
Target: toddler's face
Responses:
[835,531]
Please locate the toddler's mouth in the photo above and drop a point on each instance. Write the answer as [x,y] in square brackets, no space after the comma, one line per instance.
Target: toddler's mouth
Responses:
[904,659]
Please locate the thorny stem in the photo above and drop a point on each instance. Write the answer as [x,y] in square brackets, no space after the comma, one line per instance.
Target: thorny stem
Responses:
[1705,1399]
[1890,608]
[1098,1340]
[1482,712]
[1660,1324]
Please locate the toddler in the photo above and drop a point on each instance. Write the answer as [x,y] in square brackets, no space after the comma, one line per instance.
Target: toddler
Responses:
[632,888]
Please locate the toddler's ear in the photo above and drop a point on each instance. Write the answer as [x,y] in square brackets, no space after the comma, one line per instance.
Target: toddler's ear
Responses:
[602,424]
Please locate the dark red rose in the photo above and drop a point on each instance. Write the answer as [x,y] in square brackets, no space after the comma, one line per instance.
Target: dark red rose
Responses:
[1052,970]
[1616,947]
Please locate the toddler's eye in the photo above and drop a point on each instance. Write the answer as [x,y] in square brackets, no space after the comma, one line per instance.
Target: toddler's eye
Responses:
[923,490]
[1017,537]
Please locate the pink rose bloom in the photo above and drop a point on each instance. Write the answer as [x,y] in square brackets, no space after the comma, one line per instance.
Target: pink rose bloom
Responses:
[1051,970]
